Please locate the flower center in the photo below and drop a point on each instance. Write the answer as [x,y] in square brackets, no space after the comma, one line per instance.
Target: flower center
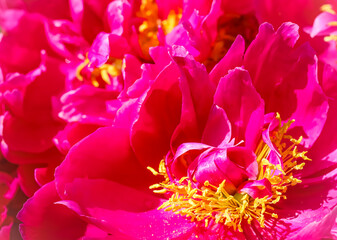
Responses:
[229,26]
[149,28]
[100,76]
[213,203]
[328,8]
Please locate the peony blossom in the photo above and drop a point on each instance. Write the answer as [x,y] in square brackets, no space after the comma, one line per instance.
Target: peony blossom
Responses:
[39,128]
[28,118]
[250,135]
[151,119]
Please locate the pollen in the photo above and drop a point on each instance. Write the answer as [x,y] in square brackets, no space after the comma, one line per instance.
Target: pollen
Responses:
[148,30]
[213,204]
[328,8]
[100,76]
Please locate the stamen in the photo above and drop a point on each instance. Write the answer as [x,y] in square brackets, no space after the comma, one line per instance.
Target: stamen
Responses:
[149,28]
[101,76]
[211,203]
[328,8]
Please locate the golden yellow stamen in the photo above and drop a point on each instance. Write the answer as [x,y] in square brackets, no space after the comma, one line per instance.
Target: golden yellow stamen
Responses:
[214,203]
[327,8]
[149,28]
[102,75]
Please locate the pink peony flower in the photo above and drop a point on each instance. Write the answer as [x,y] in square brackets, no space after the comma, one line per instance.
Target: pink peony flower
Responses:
[233,158]
[216,119]
[29,124]
[34,135]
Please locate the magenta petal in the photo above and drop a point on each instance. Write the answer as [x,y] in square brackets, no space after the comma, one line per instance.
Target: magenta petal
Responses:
[197,92]
[210,22]
[184,156]
[27,180]
[118,46]
[237,96]
[9,187]
[102,193]
[108,205]
[232,59]
[312,104]
[19,157]
[213,166]
[20,25]
[114,161]
[321,25]
[71,134]
[118,14]
[150,72]
[159,115]
[244,158]
[127,113]
[5,232]
[54,9]
[323,153]
[318,229]
[235,165]
[256,189]
[131,71]
[241,7]
[286,79]
[261,65]
[152,224]
[21,135]
[201,6]
[42,219]
[218,129]
[329,82]
[87,104]
[99,51]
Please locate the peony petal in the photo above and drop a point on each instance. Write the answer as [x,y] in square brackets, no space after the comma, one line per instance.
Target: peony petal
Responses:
[256,189]
[105,194]
[42,219]
[99,51]
[321,25]
[113,210]
[218,129]
[114,160]
[184,156]
[158,117]
[21,135]
[318,229]
[88,105]
[197,92]
[276,74]
[237,96]
[232,59]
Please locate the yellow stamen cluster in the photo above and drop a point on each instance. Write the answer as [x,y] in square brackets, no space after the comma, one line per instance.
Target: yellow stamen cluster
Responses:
[149,28]
[328,8]
[102,75]
[214,203]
